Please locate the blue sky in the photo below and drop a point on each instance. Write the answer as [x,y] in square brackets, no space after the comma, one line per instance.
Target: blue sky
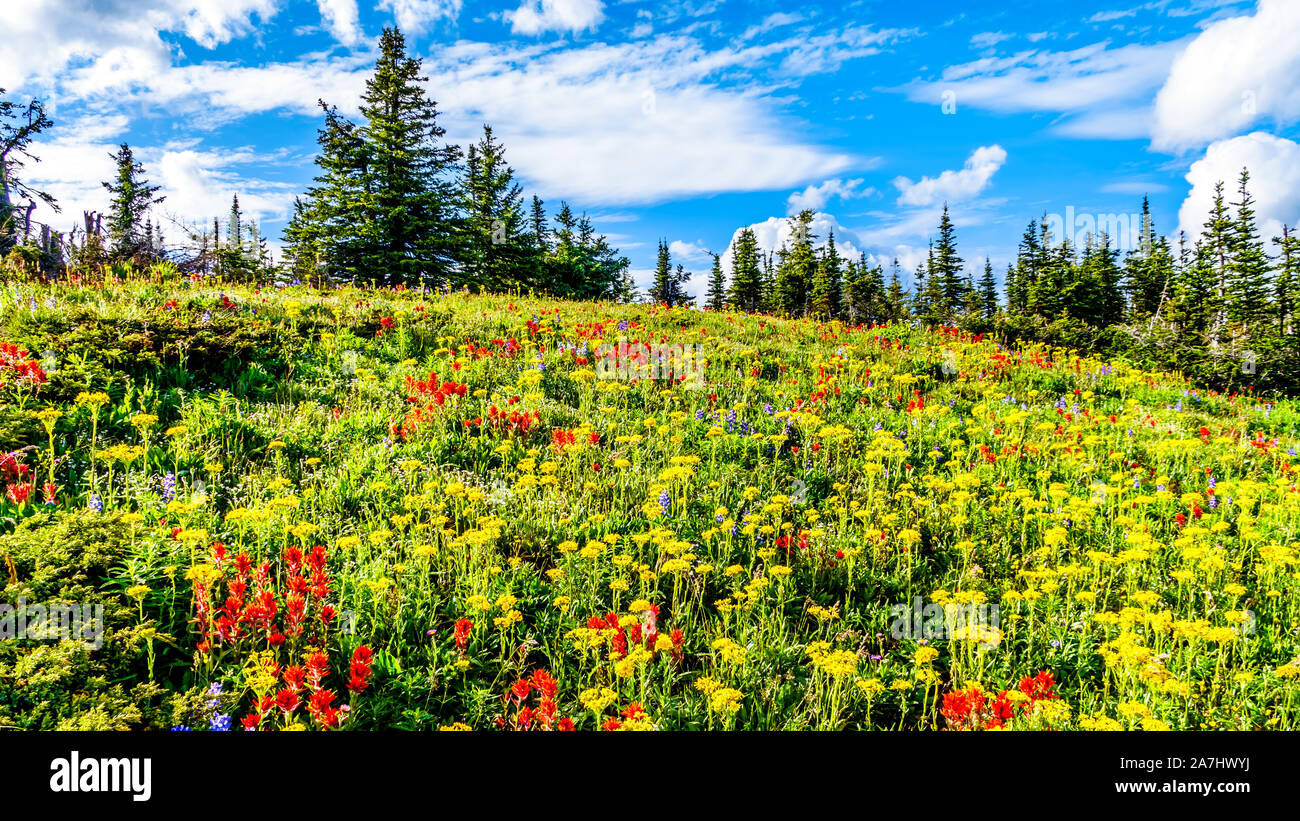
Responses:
[686,120]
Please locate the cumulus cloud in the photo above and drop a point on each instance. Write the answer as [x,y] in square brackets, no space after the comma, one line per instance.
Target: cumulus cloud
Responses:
[1238,71]
[951,186]
[688,252]
[1274,164]
[538,16]
[816,197]
[342,20]
[200,185]
[416,16]
[636,122]
[42,37]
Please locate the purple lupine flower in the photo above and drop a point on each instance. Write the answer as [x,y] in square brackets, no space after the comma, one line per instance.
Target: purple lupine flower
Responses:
[169,487]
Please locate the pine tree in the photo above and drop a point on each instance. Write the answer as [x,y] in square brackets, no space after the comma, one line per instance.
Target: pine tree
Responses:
[716,296]
[936,311]
[1107,279]
[896,297]
[132,197]
[864,291]
[1090,288]
[408,215]
[302,246]
[235,225]
[1054,272]
[988,291]
[1022,277]
[1248,272]
[768,300]
[946,269]
[1217,242]
[919,304]
[1288,280]
[826,294]
[797,268]
[382,208]
[1195,302]
[494,245]
[746,274]
[539,242]
[875,306]
[325,231]
[662,291]
[601,272]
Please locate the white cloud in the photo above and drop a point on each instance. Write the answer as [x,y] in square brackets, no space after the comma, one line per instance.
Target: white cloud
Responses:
[685,252]
[342,20]
[1111,16]
[41,37]
[1089,84]
[416,16]
[1274,165]
[952,186]
[988,39]
[827,52]
[637,122]
[537,16]
[816,197]
[200,184]
[212,93]
[600,124]
[207,22]
[1235,73]
[770,22]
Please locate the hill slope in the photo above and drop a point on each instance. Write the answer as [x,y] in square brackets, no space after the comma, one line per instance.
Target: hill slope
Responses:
[446,510]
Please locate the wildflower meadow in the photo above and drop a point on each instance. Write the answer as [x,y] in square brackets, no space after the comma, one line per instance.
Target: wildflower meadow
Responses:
[356,508]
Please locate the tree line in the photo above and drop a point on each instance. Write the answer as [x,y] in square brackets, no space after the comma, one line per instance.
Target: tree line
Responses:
[1219,307]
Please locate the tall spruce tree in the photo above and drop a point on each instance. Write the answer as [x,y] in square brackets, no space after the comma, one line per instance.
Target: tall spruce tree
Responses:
[946,269]
[1217,246]
[131,197]
[827,283]
[1287,282]
[495,248]
[988,291]
[797,267]
[746,273]
[662,292]
[383,205]
[716,296]
[896,297]
[408,215]
[1248,300]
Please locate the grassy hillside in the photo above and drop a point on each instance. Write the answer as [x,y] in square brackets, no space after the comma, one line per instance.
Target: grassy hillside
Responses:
[385,509]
